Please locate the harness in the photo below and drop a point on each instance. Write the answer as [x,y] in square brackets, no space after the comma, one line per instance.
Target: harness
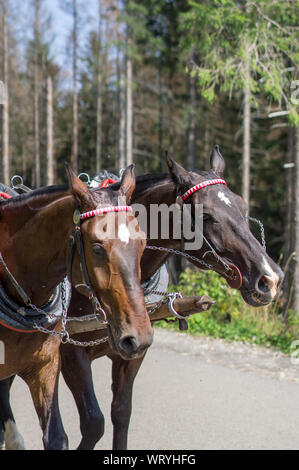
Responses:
[26,319]
[31,318]
[197,187]
[19,318]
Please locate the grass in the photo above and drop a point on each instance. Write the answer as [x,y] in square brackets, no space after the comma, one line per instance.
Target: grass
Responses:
[233,320]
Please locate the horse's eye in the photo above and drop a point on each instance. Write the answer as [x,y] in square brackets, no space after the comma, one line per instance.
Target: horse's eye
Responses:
[98,249]
[207,218]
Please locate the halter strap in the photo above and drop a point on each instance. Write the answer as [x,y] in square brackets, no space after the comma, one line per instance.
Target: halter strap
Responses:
[105,210]
[235,279]
[204,184]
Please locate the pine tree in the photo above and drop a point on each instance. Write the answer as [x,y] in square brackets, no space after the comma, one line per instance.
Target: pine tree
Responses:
[243,46]
[5,115]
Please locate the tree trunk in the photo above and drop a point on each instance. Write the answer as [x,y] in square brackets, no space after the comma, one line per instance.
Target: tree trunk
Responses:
[5,119]
[296,225]
[191,137]
[129,110]
[74,157]
[161,122]
[289,194]
[246,136]
[99,94]
[50,154]
[122,121]
[36,95]
[289,222]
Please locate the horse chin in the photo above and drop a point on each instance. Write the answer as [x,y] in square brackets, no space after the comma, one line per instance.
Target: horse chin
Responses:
[255,299]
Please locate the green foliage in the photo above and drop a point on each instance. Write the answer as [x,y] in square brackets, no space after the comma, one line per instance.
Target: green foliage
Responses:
[230,318]
[223,36]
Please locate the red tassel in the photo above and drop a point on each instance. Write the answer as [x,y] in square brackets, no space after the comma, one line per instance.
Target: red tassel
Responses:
[5,196]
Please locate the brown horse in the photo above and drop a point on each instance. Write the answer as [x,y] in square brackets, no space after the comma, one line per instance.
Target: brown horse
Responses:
[225,230]
[35,233]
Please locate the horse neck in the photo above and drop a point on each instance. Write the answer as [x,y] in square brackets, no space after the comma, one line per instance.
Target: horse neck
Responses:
[161,191]
[34,239]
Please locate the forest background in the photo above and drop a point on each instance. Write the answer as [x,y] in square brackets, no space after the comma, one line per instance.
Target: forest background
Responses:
[104,83]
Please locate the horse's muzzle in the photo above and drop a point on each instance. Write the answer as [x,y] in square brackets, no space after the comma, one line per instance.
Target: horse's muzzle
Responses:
[132,346]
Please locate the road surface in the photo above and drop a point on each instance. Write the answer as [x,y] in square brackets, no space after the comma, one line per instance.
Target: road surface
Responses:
[191,393]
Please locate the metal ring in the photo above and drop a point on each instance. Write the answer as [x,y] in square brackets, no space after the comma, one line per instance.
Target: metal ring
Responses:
[172,298]
[65,337]
[87,178]
[14,185]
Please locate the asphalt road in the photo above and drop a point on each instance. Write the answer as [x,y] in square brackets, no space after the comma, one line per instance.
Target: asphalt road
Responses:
[191,393]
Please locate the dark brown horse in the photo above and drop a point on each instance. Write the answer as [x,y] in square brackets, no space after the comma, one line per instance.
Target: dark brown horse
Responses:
[227,232]
[35,233]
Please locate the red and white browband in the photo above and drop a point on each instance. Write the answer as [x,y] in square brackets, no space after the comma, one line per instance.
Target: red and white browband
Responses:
[105,210]
[204,184]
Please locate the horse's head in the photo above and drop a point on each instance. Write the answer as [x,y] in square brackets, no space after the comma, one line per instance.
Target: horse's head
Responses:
[113,245]
[226,232]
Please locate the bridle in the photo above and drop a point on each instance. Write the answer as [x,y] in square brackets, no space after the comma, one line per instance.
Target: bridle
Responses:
[76,241]
[197,187]
[233,274]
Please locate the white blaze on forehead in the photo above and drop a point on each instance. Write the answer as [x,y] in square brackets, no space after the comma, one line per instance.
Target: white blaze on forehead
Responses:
[224,198]
[123,233]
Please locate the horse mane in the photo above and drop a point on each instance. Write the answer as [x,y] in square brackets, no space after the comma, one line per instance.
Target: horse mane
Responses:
[143,182]
[35,193]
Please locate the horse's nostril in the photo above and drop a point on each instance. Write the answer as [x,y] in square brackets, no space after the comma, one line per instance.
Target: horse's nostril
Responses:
[265,284]
[129,344]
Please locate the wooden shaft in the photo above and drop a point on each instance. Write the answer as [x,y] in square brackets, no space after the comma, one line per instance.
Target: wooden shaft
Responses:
[185,307]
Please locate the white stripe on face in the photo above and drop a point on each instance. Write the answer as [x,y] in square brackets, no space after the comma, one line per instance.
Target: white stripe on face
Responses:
[224,198]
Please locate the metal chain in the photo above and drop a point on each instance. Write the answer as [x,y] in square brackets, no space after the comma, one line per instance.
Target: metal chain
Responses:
[85,344]
[64,334]
[182,253]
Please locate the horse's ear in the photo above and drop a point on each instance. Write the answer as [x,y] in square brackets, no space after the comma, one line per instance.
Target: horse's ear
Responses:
[217,161]
[128,182]
[177,173]
[78,188]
